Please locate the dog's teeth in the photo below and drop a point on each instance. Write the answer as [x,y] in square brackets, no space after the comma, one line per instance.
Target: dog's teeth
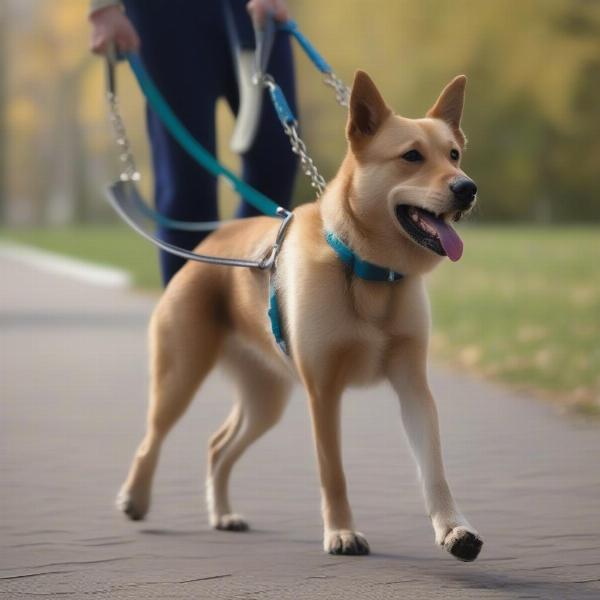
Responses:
[415,217]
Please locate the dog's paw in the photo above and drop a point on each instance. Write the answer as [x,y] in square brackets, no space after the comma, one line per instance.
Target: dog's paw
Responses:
[345,541]
[463,544]
[135,508]
[231,522]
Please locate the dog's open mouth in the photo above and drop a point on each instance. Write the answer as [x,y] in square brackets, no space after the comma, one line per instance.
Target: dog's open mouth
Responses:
[430,231]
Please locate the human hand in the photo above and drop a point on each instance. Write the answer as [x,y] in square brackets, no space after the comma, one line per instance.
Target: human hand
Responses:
[110,25]
[259,9]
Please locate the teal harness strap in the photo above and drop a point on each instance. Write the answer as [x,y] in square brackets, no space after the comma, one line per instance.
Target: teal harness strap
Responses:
[361,268]
[275,318]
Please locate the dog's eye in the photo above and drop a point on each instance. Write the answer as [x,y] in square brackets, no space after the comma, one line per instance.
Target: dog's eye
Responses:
[413,156]
[454,154]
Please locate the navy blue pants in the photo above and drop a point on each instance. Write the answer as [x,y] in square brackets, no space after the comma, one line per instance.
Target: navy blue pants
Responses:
[185,47]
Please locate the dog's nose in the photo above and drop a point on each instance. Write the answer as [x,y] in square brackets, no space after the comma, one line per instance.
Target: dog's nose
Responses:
[464,190]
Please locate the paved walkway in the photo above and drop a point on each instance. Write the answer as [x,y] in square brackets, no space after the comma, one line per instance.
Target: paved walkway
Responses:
[72,387]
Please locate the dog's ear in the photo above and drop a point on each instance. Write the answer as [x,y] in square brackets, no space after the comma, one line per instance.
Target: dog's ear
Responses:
[367,110]
[449,106]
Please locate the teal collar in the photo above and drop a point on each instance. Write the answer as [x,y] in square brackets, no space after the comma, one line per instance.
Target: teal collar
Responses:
[361,268]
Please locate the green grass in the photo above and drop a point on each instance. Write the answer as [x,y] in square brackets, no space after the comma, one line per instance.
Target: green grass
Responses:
[522,306]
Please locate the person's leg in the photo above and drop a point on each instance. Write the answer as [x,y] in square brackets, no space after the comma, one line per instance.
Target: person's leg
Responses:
[270,165]
[181,190]
[183,47]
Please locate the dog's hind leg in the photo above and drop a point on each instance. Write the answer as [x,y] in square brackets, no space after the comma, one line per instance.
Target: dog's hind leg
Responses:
[184,345]
[261,402]
[407,373]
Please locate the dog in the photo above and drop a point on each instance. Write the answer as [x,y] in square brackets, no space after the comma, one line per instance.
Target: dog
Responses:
[352,308]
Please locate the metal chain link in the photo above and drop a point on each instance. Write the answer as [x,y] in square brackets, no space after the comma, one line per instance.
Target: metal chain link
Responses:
[307,164]
[342,91]
[129,170]
[342,95]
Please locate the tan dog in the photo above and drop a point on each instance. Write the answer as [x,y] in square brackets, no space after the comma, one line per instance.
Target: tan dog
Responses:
[398,187]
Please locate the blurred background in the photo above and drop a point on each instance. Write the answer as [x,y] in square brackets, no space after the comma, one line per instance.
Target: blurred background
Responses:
[523,306]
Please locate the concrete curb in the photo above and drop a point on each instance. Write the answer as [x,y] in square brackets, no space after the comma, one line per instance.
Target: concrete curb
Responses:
[59,264]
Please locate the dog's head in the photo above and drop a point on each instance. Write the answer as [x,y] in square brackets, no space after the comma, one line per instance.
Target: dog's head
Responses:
[405,181]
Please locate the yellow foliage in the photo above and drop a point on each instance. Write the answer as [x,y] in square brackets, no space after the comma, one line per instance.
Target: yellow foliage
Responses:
[23,115]
[66,20]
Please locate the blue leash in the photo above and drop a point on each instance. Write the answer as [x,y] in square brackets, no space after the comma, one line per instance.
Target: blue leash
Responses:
[292,28]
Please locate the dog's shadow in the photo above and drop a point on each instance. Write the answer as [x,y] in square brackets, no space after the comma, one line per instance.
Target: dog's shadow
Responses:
[542,588]
[198,532]
[482,576]
[171,532]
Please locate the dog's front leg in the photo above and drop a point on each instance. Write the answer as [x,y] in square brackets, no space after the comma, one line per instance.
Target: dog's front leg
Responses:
[407,373]
[339,534]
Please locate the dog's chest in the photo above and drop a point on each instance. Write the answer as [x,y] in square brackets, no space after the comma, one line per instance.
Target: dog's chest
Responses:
[382,315]
[391,309]
[372,301]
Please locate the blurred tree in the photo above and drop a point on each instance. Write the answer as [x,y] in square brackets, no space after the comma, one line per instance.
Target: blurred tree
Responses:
[576,156]
[48,130]
[3,119]
[67,187]
[533,99]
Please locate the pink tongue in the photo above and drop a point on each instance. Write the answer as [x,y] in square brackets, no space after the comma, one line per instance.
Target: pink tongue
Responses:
[449,239]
